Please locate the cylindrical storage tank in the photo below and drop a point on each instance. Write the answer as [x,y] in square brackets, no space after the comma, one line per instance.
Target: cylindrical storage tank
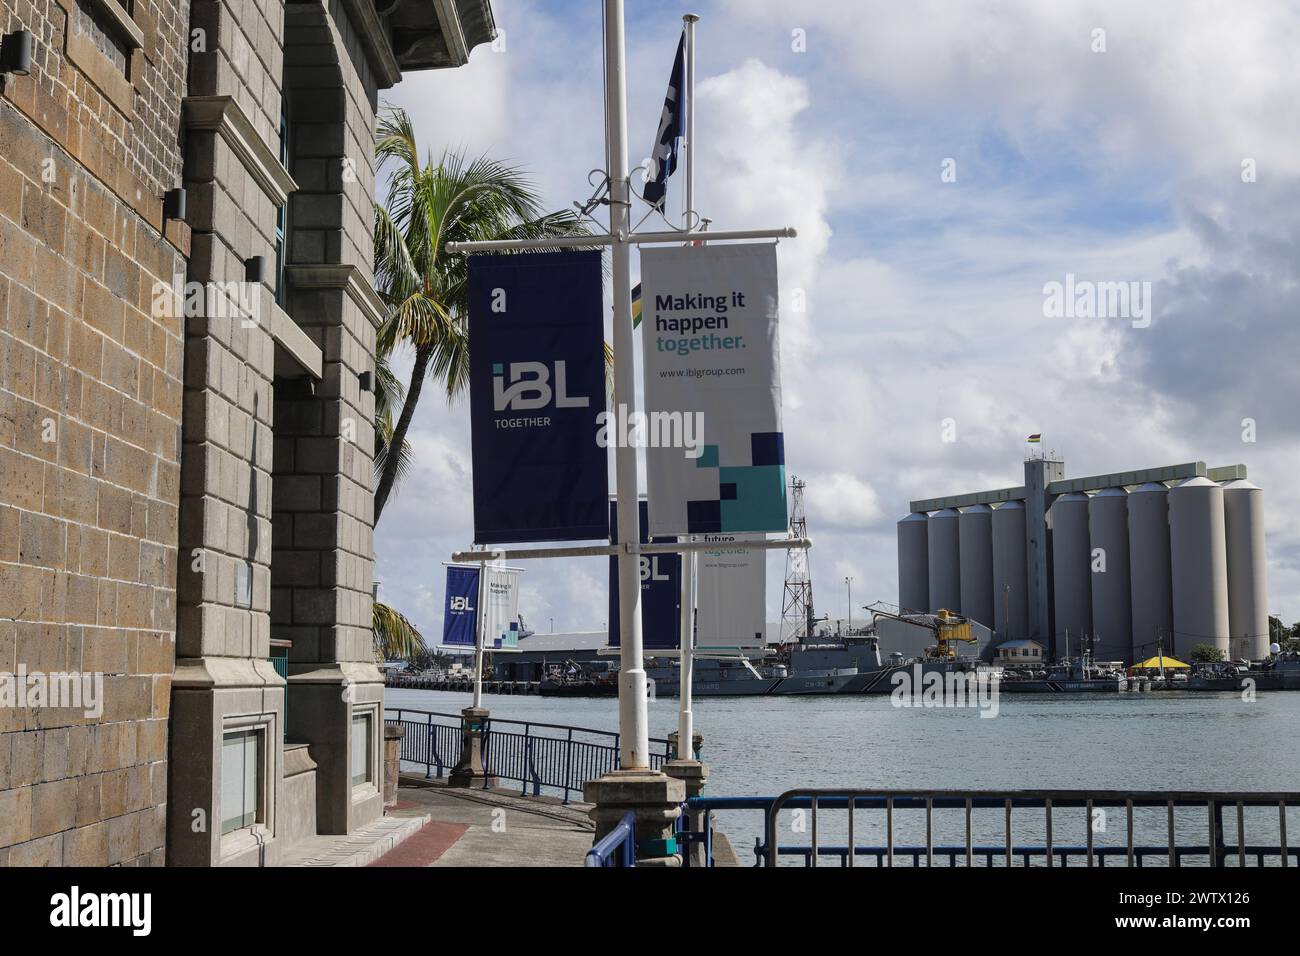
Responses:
[913,563]
[1243,522]
[1149,575]
[1010,574]
[1112,615]
[1198,566]
[945,560]
[975,546]
[1071,573]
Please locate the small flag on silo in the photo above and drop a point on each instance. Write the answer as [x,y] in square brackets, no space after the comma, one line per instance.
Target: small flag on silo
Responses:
[1034,439]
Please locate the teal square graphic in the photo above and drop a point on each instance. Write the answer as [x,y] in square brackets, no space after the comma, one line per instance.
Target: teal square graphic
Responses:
[498,368]
[708,457]
[759,504]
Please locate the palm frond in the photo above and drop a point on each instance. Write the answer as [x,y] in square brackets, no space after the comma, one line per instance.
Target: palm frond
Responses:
[395,636]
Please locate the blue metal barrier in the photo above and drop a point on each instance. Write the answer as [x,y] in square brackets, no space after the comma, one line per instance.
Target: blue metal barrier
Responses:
[535,755]
[1200,813]
[617,847]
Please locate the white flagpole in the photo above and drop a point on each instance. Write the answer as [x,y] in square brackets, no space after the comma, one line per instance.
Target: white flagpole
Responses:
[686,672]
[633,716]
[478,641]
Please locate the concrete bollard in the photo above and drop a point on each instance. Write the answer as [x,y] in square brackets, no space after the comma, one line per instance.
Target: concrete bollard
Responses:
[393,734]
[653,797]
[697,739]
[693,774]
[469,770]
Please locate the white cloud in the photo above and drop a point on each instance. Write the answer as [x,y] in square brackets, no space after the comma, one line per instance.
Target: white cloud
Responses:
[925,298]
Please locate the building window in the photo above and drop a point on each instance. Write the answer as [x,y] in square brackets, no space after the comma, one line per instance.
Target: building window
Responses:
[361,749]
[241,779]
[282,214]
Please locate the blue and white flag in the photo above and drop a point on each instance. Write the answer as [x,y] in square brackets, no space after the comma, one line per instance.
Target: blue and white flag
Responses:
[672,127]
[460,615]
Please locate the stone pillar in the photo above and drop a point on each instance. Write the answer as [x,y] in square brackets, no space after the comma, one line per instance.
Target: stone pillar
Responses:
[469,771]
[393,734]
[697,741]
[655,798]
[693,774]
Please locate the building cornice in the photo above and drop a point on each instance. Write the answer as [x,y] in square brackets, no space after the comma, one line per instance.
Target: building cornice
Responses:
[224,116]
[374,35]
[348,278]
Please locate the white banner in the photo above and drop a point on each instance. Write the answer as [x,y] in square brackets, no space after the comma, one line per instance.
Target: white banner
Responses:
[731,600]
[499,608]
[715,455]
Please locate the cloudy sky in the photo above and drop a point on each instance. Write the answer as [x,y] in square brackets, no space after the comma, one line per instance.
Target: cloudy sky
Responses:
[1117,142]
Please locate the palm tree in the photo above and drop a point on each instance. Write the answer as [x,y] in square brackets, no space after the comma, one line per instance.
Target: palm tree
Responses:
[426,289]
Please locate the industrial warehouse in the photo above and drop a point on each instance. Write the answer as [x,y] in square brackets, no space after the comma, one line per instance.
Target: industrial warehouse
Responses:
[1128,565]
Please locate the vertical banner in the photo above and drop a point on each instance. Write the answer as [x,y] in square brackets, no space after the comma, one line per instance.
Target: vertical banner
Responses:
[715,456]
[500,608]
[661,596]
[731,602]
[460,614]
[537,383]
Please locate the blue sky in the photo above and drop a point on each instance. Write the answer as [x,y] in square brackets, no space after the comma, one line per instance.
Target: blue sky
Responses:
[926,297]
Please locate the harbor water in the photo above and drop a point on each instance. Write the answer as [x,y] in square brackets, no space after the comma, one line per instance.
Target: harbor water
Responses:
[1127,741]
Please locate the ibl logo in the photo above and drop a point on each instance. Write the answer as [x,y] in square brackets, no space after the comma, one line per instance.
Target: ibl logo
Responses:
[530,387]
[650,568]
[460,603]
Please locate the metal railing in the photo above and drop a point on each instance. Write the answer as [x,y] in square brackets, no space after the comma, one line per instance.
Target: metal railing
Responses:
[535,755]
[617,847]
[1177,828]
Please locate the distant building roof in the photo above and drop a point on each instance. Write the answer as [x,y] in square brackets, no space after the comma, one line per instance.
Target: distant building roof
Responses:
[564,641]
[1023,642]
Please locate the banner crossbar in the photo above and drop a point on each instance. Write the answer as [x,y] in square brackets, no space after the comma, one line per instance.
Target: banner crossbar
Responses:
[632,239]
[606,550]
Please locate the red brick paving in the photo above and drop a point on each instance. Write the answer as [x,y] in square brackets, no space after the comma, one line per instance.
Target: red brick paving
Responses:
[425,846]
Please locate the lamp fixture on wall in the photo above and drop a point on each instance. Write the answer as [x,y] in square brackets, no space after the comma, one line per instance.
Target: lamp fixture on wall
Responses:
[16,53]
[174,204]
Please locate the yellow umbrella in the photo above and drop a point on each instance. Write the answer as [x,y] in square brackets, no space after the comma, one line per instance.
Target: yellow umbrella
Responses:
[1157,662]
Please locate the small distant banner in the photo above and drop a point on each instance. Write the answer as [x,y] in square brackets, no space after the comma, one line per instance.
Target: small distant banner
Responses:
[500,608]
[537,383]
[460,615]
[731,596]
[712,364]
[661,591]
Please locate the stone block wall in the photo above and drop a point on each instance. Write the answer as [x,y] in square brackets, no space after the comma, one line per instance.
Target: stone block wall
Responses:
[90,411]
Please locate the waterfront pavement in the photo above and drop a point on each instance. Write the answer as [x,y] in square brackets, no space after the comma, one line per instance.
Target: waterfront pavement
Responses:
[436,825]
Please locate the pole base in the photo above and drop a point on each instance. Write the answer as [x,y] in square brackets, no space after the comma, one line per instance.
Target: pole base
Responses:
[469,770]
[654,798]
[693,774]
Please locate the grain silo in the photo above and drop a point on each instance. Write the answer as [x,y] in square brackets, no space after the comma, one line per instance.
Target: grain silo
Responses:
[1149,575]
[1198,565]
[945,560]
[1071,571]
[976,550]
[913,563]
[1010,575]
[1112,616]
[1243,521]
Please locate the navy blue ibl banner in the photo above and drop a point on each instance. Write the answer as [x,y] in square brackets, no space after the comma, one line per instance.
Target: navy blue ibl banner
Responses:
[661,590]
[537,383]
[460,614]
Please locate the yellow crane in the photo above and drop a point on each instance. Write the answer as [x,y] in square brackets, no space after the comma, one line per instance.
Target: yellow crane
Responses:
[949,628]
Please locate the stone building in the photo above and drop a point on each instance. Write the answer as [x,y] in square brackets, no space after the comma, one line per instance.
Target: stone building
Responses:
[186,510]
